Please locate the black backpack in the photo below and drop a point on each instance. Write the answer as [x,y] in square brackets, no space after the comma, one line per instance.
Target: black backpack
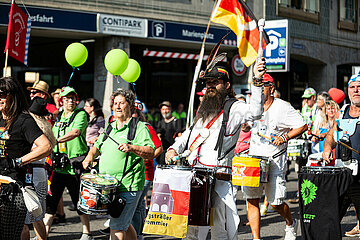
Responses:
[131,135]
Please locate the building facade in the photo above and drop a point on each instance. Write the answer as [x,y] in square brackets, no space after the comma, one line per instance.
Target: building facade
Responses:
[165,37]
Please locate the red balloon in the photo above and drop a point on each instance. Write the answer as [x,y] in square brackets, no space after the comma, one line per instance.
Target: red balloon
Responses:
[337,95]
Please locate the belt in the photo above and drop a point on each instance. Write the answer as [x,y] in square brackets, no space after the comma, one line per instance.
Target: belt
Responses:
[223,176]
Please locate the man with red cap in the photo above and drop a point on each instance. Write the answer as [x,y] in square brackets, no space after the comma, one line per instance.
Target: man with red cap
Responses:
[279,123]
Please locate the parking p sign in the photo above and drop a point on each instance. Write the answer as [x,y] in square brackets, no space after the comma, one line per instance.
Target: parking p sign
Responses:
[276,52]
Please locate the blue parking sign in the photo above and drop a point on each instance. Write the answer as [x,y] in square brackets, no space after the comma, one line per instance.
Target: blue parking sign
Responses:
[276,52]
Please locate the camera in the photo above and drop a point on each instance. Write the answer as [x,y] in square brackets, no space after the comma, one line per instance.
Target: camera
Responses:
[59,160]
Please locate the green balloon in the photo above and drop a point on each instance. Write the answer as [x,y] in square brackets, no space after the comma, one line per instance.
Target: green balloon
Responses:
[132,72]
[116,61]
[76,54]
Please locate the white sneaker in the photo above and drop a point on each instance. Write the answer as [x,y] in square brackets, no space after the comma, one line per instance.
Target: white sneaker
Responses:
[290,231]
[263,210]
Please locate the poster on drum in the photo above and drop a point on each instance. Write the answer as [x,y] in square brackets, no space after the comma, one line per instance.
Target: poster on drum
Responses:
[169,207]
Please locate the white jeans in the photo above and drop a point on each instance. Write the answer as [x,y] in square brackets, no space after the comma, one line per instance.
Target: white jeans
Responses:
[221,213]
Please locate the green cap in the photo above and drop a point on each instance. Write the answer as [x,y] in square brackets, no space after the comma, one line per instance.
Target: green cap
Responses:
[66,90]
[308,93]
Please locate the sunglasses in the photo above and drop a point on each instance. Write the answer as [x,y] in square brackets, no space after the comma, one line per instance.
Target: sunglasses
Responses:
[3,94]
[33,92]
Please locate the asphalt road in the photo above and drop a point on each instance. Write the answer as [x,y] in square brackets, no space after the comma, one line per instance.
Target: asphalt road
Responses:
[272,225]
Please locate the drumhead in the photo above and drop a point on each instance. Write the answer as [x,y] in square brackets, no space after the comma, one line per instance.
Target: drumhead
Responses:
[253,156]
[322,169]
[316,156]
[176,167]
[99,179]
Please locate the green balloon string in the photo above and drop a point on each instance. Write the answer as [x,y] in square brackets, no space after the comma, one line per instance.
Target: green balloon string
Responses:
[72,74]
[117,82]
[133,86]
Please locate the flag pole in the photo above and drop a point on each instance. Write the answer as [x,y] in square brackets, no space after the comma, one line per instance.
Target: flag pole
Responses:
[7,50]
[190,115]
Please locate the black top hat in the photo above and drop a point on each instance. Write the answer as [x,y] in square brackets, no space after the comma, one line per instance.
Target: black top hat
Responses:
[38,107]
[216,72]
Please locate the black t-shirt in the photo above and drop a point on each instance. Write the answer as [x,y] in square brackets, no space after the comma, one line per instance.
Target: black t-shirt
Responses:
[16,143]
[168,131]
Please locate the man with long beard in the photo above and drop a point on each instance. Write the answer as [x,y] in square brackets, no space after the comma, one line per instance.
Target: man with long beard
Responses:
[202,141]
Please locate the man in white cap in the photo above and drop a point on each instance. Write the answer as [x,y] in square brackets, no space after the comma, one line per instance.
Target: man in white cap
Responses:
[308,110]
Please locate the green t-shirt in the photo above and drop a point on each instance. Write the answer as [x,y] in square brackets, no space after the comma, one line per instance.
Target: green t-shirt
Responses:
[112,160]
[76,147]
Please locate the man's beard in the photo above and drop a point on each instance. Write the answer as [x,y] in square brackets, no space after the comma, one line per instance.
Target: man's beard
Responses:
[211,104]
[166,115]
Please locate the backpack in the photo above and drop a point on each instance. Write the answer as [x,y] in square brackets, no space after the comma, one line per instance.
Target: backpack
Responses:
[131,135]
[226,112]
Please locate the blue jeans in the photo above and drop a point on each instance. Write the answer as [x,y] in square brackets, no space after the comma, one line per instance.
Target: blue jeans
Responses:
[140,212]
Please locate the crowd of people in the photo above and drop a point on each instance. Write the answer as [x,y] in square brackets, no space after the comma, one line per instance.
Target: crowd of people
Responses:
[72,140]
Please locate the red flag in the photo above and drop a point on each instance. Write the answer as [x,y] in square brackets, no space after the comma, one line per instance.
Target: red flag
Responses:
[236,15]
[18,34]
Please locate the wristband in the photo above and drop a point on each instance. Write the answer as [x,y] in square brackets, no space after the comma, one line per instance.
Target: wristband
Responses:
[258,82]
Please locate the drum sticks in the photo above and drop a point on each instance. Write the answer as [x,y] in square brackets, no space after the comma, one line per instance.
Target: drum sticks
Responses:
[347,146]
[101,130]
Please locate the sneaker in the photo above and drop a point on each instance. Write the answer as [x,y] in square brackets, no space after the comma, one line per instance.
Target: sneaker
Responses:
[59,219]
[294,200]
[355,232]
[290,231]
[86,236]
[263,210]
[105,231]
[270,209]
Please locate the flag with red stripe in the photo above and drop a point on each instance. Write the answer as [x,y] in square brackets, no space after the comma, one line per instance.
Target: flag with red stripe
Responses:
[170,200]
[18,34]
[236,15]
[246,171]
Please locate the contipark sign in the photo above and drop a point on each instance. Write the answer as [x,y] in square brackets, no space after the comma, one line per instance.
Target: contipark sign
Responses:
[122,26]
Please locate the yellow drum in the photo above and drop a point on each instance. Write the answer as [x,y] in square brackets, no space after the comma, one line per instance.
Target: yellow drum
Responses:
[250,170]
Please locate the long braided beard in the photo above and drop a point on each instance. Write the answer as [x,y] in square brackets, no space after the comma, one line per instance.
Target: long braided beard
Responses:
[212,104]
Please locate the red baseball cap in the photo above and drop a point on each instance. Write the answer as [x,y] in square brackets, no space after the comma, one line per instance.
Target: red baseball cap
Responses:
[202,92]
[268,78]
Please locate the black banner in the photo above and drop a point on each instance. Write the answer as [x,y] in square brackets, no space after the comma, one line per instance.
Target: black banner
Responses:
[320,201]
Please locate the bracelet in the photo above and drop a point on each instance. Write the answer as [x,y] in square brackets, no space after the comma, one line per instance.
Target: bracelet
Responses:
[285,138]
[258,82]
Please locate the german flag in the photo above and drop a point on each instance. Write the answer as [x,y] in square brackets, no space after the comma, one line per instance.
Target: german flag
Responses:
[246,171]
[236,15]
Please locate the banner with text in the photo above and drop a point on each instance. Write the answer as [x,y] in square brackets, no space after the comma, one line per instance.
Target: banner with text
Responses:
[122,26]
[170,199]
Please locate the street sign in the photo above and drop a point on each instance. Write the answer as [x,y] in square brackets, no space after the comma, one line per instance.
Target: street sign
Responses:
[277,51]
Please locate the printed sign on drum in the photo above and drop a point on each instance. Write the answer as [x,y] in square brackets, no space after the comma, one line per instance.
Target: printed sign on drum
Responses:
[169,207]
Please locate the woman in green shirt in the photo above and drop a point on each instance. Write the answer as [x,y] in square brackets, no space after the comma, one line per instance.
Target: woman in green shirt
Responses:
[113,160]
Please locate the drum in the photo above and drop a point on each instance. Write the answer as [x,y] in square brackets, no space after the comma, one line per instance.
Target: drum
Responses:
[298,148]
[202,185]
[315,159]
[321,170]
[96,193]
[240,165]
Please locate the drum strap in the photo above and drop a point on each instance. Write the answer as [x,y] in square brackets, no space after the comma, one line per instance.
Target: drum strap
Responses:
[228,103]
[131,135]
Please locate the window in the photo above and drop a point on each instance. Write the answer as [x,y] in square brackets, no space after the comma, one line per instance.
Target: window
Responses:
[347,15]
[306,10]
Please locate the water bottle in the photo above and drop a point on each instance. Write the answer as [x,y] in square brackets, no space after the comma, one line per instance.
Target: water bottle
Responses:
[345,153]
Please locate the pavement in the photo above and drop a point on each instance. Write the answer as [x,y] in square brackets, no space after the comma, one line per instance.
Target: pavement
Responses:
[272,225]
